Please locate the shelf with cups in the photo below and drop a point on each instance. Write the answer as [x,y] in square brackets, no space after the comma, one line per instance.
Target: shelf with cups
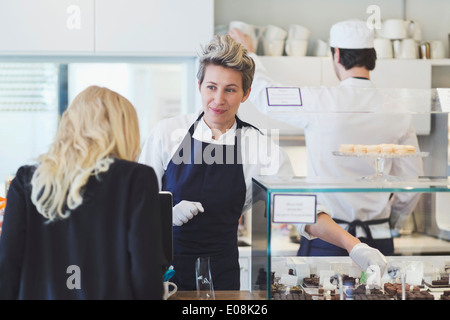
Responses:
[433,62]
[274,41]
[398,38]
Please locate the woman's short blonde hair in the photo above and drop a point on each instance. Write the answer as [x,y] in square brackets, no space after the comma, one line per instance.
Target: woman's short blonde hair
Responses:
[98,126]
[226,52]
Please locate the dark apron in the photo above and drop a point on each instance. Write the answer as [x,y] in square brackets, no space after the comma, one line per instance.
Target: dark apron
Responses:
[220,187]
[318,247]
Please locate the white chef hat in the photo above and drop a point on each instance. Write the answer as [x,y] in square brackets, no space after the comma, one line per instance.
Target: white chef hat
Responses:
[351,34]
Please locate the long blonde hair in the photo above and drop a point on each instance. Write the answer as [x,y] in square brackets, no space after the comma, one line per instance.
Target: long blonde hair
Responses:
[99,125]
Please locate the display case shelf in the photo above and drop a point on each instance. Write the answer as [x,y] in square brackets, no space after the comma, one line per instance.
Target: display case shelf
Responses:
[351,184]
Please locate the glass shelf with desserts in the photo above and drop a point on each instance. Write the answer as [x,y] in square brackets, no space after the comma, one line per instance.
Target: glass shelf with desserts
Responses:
[378,154]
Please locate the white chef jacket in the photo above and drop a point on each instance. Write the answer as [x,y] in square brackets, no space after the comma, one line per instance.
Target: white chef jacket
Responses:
[355,112]
[260,155]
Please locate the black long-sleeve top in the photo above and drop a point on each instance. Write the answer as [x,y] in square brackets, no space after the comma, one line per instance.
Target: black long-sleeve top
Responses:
[108,248]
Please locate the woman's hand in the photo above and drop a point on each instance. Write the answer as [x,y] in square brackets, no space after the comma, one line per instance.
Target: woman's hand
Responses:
[365,256]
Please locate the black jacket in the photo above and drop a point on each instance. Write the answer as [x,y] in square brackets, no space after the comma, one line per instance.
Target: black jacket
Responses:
[108,248]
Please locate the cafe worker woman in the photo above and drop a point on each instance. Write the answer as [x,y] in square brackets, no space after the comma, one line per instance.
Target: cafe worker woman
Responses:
[207,160]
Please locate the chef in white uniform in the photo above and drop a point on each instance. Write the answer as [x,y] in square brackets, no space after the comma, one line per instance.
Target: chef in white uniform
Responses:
[355,112]
[207,160]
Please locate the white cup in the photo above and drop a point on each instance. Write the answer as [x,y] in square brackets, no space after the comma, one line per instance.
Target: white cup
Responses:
[247,29]
[405,49]
[409,49]
[273,48]
[322,48]
[437,50]
[272,32]
[298,32]
[296,48]
[167,293]
[383,48]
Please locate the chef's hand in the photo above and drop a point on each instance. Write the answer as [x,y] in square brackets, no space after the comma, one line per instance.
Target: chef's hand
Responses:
[185,211]
[242,38]
[365,256]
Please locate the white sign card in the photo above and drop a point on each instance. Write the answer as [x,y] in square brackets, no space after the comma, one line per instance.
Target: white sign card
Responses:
[284,97]
[302,270]
[279,267]
[294,208]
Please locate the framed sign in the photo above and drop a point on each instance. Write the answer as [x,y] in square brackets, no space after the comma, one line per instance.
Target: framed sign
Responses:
[284,97]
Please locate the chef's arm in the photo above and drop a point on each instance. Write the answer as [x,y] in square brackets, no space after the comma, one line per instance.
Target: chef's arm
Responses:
[262,80]
[328,230]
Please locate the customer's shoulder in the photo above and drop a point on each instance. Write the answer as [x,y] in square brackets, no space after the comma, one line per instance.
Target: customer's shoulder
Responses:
[129,175]
[25,172]
[131,166]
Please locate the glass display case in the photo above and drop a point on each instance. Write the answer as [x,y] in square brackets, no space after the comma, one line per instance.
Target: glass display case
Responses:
[420,265]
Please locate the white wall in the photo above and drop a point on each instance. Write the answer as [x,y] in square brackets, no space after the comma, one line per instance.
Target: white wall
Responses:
[319,15]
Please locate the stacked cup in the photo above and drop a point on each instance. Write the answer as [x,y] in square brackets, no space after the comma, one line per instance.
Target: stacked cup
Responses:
[383,48]
[273,41]
[398,38]
[297,40]
[437,49]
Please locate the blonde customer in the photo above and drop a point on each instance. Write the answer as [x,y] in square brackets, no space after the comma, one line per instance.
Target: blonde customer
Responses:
[84,222]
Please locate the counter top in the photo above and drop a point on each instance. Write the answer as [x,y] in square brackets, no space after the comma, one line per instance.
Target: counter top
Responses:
[283,184]
[416,244]
[220,295]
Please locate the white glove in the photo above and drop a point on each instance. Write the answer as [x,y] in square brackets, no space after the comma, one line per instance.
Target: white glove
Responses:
[185,211]
[365,256]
